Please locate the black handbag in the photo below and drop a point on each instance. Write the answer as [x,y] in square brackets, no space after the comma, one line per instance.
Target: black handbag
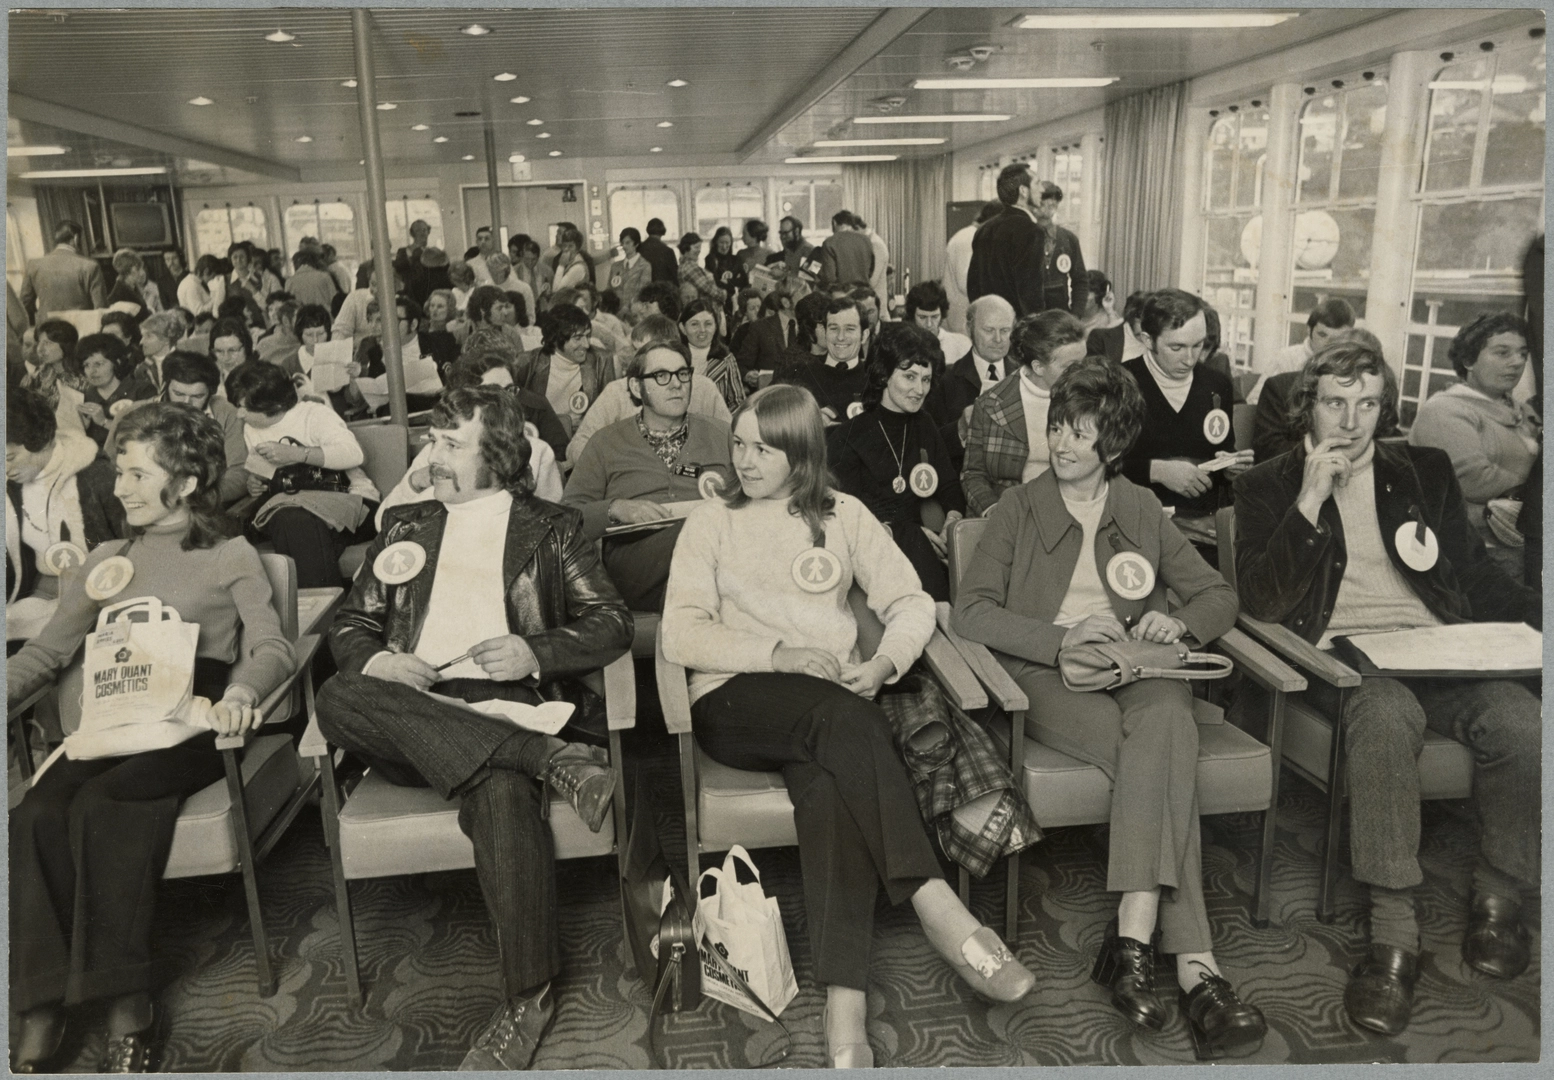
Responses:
[290,479]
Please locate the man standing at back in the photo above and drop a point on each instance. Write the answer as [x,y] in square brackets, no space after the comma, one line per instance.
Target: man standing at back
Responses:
[846,256]
[1007,253]
[665,263]
[64,279]
[795,249]
[1063,266]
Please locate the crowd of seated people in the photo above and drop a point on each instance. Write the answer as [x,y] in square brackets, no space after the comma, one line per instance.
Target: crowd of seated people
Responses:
[739,463]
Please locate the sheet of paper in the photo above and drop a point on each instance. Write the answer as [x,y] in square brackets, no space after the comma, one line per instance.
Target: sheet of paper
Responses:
[548,717]
[677,512]
[330,359]
[1464,647]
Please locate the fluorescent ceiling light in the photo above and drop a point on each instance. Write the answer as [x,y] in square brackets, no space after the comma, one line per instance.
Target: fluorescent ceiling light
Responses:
[843,144]
[440,139]
[468,157]
[949,118]
[304,138]
[655,149]
[1159,20]
[543,135]
[1013,84]
[419,127]
[520,100]
[386,106]
[35,151]
[349,84]
[678,82]
[280,37]
[839,159]
[666,123]
[474,30]
[201,101]
[78,174]
[555,153]
[536,122]
[506,76]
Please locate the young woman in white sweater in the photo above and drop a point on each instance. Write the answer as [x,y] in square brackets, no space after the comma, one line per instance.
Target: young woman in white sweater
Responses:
[756,609]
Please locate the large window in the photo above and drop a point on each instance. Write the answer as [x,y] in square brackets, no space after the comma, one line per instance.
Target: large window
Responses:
[405,209]
[1480,204]
[727,206]
[1068,174]
[23,238]
[634,206]
[1335,199]
[813,202]
[329,222]
[217,228]
[1233,191]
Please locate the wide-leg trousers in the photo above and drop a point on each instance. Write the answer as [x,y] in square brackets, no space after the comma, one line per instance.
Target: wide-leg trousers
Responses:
[490,767]
[1144,737]
[857,820]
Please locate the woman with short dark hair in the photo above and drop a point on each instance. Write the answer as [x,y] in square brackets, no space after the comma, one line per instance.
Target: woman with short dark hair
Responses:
[710,357]
[726,267]
[54,375]
[112,385]
[322,502]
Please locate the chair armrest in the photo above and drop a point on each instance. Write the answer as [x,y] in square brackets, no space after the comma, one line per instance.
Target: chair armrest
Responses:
[1003,689]
[620,693]
[21,707]
[673,695]
[958,681]
[1264,667]
[244,508]
[313,743]
[305,646]
[1297,650]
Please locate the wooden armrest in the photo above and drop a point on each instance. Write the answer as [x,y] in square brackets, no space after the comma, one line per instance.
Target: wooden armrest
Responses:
[958,681]
[313,744]
[620,693]
[1264,667]
[1297,650]
[1003,689]
[673,695]
[305,646]
[245,507]
[21,707]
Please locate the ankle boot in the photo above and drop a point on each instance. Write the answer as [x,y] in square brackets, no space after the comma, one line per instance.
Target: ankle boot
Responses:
[583,775]
[1127,968]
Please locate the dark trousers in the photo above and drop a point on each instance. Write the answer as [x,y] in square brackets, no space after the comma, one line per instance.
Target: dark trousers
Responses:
[857,820]
[490,766]
[639,566]
[931,571]
[312,544]
[1384,725]
[89,843]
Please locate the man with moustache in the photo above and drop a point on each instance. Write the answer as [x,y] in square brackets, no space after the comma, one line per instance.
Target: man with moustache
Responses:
[633,469]
[482,593]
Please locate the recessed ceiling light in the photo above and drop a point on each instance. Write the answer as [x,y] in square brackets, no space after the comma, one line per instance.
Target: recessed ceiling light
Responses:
[468,157]
[419,127]
[386,106]
[536,122]
[506,76]
[361,161]
[79,174]
[678,82]
[280,37]
[201,101]
[951,118]
[1225,20]
[843,144]
[543,135]
[349,84]
[666,123]
[655,149]
[838,159]
[474,30]
[555,153]
[1013,84]
[440,139]
[35,151]
[304,138]
[520,100]
[515,158]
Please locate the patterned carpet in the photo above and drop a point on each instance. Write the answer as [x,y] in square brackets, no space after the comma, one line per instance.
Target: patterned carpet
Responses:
[429,967]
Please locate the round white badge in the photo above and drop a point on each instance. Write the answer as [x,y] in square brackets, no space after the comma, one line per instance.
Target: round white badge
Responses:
[925,479]
[1416,555]
[615,282]
[817,570]
[1216,426]
[710,485]
[1130,575]
[855,409]
[63,556]
[398,563]
[1065,264]
[578,403]
[109,577]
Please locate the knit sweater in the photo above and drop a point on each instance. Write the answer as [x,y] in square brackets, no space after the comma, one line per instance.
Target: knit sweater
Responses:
[619,464]
[1492,444]
[732,598]
[312,424]
[223,588]
[1178,434]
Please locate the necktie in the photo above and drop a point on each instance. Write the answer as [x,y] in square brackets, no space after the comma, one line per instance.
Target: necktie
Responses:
[992,373]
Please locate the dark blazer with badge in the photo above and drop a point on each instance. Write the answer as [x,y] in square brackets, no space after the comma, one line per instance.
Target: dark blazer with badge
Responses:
[1006,258]
[1016,581]
[1171,433]
[627,281]
[559,599]
[1288,570]
[1064,290]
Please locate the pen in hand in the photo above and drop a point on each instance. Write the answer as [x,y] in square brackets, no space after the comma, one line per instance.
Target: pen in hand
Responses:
[449,663]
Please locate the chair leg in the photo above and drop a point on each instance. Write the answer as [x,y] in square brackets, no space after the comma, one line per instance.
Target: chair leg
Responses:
[692,824]
[353,980]
[1012,873]
[238,818]
[618,762]
[1261,898]
[1327,902]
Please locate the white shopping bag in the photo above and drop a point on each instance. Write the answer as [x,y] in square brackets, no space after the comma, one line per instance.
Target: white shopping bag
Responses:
[744,925]
[138,682]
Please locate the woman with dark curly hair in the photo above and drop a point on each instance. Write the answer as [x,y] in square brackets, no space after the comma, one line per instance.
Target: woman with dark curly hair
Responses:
[891,458]
[91,837]
[1492,438]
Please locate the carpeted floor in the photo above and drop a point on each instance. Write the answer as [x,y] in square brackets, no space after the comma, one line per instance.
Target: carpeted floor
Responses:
[428,961]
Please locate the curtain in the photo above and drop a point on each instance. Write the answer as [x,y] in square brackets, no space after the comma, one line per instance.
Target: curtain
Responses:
[904,202]
[1141,221]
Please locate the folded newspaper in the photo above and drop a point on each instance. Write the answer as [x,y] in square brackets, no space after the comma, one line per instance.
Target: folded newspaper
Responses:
[1486,647]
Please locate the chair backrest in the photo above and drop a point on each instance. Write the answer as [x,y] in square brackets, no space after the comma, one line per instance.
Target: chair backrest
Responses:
[965,535]
[386,448]
[1243,419]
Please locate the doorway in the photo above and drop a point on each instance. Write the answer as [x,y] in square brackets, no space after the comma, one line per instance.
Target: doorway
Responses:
[535,209]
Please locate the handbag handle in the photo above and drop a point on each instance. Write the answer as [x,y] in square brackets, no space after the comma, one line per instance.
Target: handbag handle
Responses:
[1211,666]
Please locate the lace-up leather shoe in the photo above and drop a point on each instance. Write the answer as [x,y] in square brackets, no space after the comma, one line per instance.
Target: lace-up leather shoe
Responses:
[1496,942]
[1380,994]
[1218,1019]
[1127,968]
[583,775]
[509,1041]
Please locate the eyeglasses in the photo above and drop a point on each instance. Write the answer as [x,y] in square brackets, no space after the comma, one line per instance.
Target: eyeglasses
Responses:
[679,375]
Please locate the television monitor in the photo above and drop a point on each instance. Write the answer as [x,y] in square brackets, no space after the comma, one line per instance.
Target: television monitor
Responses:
[140,225]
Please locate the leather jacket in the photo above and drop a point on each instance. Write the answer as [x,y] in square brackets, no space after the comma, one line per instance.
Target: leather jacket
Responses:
[559,599]
[1288,571]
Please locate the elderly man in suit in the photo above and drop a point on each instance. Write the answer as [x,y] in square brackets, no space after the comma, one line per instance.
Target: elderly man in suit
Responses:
[483,593]
[64,279]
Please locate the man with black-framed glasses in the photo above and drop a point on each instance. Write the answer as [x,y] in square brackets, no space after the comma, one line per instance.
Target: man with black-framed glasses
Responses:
[635,472]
